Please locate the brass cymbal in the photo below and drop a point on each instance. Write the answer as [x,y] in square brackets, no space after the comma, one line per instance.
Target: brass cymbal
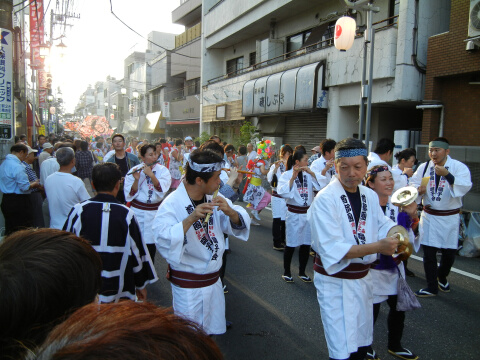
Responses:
[404,196]
[404,248]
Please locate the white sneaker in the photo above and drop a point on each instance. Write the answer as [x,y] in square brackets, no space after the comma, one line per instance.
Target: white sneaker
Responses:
[253,222]
[255,215]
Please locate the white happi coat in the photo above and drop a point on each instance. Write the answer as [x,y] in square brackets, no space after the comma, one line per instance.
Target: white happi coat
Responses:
[317,167]
[279,205]
[345,305]
[375,160]
[442,231]
[186,252]
[402,179]
[147,194]
[297,230]
[385,280]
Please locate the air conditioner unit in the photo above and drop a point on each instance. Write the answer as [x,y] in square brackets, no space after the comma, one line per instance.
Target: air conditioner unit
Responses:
[474,19]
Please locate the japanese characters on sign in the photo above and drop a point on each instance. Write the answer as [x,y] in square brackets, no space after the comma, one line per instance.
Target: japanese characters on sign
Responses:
[6,80]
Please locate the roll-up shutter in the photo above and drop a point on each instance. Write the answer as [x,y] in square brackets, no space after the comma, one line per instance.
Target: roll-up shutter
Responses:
[305,129]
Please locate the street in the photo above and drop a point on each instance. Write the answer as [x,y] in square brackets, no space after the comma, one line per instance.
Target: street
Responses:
[275,320]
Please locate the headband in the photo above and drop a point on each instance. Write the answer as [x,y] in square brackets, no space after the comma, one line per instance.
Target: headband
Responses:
[205,168]
[350,153]
[376,170]
[438,144]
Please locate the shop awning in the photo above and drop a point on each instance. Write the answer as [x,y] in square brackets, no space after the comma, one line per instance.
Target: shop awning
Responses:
[183,122]
[296,90]
[38,123]
[154,123]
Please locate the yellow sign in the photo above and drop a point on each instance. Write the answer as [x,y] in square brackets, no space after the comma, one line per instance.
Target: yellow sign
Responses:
[41,130]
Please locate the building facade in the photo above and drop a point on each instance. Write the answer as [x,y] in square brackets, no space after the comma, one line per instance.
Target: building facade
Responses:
[274,63]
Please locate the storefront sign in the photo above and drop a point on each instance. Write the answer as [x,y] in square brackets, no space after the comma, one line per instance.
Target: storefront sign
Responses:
[6,82]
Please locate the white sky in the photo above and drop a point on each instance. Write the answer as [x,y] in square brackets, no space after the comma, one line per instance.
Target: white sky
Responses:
[98,42]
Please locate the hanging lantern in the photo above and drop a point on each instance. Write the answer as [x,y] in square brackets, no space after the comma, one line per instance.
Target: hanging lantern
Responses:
[344,33]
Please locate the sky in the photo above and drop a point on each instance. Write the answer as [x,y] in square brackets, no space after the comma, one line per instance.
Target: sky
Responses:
[98,42]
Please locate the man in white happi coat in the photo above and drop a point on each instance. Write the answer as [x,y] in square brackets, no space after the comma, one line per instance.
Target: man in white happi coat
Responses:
[194,249]
[445,182]
[382,156]
[325,165]
[348,229]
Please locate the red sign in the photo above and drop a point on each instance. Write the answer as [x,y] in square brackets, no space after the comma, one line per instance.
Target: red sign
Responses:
[42,98]
[112,116]
[36,32]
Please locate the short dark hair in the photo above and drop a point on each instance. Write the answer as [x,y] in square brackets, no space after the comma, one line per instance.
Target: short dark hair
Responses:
[114,331]
[105,176]
[65,155]
[327,145]
[441,139]
[23,136]
[45,275]
[178,142]
[40,136]
[17,148]
[383,146]
[229,147]
[350,143]
[242,150]
[118,135]
[83,145]
[201,157]
[197,143]
[213,146]
[163,141]
[405,154]
[144,148]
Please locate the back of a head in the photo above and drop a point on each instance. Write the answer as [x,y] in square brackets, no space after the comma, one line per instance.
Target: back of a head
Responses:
[65,155]
[105,176]
[383,146]
[84,145]
[242,150]
[213,146]
[45,275]
[127,330]
[17,148]
[298,154]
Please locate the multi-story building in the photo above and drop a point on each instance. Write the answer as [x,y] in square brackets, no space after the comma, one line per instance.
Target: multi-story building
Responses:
[184,99]
[274,63]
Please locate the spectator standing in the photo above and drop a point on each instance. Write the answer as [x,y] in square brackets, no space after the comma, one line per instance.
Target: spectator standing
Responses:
[250,153]
[84,161]
[16,187]
[63,189]
[36,198]
[46,153]
[127,266]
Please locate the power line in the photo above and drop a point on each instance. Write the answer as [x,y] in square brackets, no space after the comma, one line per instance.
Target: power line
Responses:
[136,32]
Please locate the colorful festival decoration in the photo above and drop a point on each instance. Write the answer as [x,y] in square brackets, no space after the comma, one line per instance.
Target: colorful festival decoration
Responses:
[91,126]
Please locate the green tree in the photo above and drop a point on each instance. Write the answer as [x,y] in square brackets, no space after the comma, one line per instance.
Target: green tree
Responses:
[248,133]
[204,136]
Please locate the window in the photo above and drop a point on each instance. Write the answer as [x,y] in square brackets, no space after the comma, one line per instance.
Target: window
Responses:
[193,86]
[156,100]
[329,34]
[234,66]
[252,58]
[295,42]
[393,10]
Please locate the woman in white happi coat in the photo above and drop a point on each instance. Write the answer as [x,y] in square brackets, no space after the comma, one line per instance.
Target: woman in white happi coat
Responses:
[348,230]
[194,252]
[402,171]
[279,205]
[296,186]
[386,270]
[448,180]
[145,191]
[175,164]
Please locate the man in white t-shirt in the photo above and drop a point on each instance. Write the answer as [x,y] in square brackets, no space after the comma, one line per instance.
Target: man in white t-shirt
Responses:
[63,189]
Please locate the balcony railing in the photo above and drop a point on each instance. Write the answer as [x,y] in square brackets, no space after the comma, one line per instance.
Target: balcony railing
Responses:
[380,25]
[191,34]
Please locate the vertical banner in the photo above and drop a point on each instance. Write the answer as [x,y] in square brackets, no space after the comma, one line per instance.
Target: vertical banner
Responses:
[36,32]
[6,82]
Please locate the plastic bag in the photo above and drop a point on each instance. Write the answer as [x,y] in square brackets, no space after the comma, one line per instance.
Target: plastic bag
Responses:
[406,299]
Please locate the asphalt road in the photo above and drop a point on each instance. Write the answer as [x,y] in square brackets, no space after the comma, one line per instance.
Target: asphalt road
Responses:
[275,320]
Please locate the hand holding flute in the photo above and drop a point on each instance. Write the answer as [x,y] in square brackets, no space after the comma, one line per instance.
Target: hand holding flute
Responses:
[210,214]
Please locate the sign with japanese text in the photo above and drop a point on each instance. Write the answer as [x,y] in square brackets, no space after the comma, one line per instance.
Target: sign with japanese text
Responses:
[6,85]
[36,32]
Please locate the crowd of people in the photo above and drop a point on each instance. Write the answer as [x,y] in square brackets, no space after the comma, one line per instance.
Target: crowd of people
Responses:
[111,204]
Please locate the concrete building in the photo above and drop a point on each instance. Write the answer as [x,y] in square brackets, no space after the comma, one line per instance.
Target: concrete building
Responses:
[184,98]
[274,63]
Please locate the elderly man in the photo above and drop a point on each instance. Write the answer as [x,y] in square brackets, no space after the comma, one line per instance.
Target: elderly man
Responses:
[250,153]
[46,153]
[348,229]
[16,187]
[63,189]
[442,182]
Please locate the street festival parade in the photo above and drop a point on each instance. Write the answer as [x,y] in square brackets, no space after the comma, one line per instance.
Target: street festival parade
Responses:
[225,179]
